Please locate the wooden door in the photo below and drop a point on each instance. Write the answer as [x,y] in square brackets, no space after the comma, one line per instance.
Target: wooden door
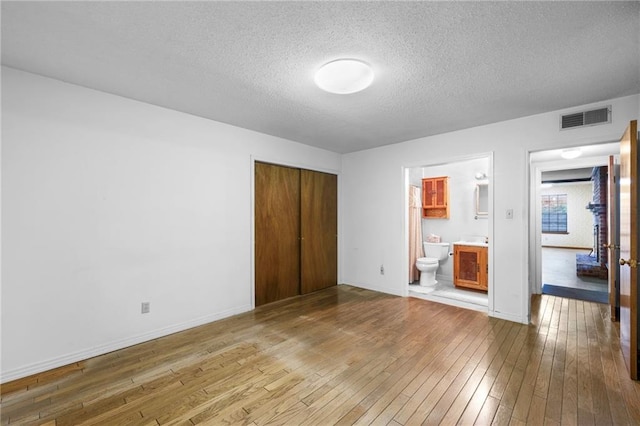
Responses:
[441,195]
[428,193]
[470,267]
[434,192]
[613,245]
[277,228]
[629,248]
[435,198]
[319,244]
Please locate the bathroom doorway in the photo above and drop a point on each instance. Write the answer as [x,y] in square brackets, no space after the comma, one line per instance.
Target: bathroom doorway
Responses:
[467,218]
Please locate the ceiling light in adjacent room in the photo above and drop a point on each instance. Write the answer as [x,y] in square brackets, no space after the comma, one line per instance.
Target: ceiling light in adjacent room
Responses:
[570,154]
[344,76]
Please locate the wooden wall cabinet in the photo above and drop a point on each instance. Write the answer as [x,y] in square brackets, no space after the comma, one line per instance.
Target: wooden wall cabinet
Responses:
[470,266]
[435,198]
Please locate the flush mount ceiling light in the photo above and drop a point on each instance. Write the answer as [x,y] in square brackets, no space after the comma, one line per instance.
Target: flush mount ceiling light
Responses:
[344,76]
[570,154]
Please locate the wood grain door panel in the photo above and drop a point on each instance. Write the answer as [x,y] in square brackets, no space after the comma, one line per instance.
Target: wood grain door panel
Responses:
[277,230]
[319,248]
[470,267]
[428,191]
[629,248]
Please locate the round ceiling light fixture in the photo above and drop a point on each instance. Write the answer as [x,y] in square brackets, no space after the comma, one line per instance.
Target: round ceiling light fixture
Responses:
[570,154]
[344,76]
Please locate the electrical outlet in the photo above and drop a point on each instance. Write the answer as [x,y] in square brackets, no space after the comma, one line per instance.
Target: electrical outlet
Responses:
[381,269]
[146,308]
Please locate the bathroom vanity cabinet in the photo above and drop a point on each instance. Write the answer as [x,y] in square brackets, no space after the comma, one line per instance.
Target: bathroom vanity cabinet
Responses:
[435,198]
[470,266]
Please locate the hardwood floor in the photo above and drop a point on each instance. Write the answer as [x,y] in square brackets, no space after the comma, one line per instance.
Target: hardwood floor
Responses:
[350,356]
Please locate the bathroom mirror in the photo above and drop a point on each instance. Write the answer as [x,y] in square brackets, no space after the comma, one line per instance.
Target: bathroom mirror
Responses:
[482,199]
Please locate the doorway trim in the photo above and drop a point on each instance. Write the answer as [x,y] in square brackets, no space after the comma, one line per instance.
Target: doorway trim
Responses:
[535,209]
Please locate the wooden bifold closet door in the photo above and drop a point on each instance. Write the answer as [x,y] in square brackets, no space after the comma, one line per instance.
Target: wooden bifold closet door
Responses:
[277,229]
[295,232]
[319,240]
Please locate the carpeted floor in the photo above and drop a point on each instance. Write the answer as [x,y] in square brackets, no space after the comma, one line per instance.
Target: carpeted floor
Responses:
[576,293]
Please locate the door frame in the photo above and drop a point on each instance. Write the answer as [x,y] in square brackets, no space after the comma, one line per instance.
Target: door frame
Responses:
[535,209]
[252,200]
[613,243]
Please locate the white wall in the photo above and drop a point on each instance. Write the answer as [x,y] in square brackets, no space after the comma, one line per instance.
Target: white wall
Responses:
[462,221]
[579,219]
[374,197]
[108,202]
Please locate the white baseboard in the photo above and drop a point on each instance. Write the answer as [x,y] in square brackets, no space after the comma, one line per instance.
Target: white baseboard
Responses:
[509,317]
[39,367]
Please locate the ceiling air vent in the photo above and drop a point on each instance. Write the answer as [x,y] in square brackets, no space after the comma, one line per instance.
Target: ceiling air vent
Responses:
[586,118]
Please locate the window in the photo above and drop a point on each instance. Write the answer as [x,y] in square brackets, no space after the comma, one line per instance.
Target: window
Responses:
[554,213]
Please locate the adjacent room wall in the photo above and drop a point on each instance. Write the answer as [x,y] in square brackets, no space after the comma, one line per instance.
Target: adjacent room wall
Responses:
[373,199]
[108,202]
[579,219]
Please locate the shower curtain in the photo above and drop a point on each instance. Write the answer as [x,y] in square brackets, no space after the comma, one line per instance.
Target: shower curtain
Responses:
[415,232]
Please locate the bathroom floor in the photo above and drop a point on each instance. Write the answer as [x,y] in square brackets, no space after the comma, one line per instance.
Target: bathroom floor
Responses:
[445,292]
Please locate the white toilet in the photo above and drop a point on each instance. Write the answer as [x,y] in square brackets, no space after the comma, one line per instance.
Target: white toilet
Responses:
[428,265]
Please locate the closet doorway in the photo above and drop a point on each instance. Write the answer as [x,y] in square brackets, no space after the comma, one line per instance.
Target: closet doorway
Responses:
[296,227]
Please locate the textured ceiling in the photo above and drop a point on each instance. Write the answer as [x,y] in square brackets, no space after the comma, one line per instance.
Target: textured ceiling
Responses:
[440,66]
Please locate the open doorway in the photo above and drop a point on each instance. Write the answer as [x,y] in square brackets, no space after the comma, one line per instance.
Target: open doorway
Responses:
[450,232]
[574,230]
[569,222]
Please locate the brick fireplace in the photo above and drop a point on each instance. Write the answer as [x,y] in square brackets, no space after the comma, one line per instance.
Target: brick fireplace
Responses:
[595,265]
